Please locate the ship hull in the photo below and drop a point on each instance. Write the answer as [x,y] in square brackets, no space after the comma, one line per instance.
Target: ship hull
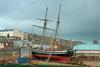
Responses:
[59,56]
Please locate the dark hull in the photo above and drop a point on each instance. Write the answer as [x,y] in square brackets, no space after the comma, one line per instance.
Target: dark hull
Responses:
[54,56]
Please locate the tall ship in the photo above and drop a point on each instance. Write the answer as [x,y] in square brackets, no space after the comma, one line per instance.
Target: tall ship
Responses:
[52,55]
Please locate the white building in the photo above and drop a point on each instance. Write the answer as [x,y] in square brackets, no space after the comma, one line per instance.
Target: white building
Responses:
[12,34]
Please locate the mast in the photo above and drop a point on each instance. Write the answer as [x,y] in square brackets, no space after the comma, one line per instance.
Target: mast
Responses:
[57,26]
[45,22]
[45,26]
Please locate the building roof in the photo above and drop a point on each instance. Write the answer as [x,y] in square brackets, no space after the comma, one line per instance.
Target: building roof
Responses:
[6,30]
[87,47]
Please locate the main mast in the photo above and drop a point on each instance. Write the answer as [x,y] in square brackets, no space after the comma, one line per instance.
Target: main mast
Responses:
[57,26]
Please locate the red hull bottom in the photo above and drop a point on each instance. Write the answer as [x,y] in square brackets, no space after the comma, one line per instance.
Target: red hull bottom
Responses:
[54,58]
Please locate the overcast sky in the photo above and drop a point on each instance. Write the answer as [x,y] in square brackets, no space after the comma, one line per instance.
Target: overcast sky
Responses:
[79,18]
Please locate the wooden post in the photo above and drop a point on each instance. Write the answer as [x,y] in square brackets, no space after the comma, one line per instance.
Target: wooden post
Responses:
[19,54]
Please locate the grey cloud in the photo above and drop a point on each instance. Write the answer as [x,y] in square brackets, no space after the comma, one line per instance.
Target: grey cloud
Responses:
[77,16]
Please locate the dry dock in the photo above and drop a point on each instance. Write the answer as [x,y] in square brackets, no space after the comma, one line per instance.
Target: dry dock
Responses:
[54,64]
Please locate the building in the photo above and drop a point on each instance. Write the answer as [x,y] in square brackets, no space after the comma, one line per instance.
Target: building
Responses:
[22,43]
[5,42]
[12,34]
[88,54]
[87,50]
[25,36]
